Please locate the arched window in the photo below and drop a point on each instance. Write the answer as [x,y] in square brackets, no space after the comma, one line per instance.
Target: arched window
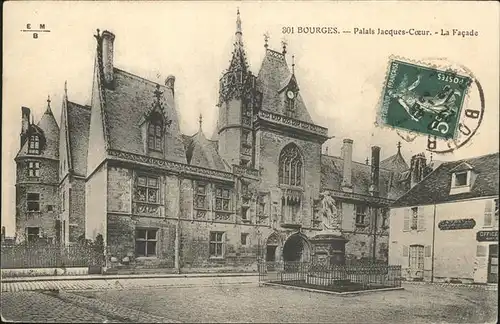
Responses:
[290,166]
[34,145]
[155,134]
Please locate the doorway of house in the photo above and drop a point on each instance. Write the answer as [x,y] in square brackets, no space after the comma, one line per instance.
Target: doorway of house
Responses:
[271,253]
[296,248]
[417,262]
[493,264]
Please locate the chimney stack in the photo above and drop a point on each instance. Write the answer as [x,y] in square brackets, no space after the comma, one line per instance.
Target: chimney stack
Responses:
[375,171]
[417,167]
[25,123]
[108,39]
[347,167]
[170,83]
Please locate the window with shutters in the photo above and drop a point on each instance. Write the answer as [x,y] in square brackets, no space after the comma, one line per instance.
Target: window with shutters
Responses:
[414,218]
[417,257]
[488,213]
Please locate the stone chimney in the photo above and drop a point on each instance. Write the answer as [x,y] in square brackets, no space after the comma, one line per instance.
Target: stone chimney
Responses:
[417,168]
[25,123]
[347,165]
[108,39]
[170,83]
[375,171]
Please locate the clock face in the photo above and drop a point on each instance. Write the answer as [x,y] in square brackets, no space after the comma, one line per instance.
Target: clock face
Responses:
[290,94]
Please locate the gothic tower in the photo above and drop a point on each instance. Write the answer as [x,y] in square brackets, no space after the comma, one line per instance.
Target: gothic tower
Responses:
[37,179]
[238,99]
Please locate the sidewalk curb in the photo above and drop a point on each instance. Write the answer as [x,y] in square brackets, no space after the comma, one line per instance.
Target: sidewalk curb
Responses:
[132,276]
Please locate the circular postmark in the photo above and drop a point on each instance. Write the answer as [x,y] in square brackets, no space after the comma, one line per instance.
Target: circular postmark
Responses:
[433,97]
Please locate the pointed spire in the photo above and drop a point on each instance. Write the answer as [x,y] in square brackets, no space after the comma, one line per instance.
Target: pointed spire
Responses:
[32,119]
[238,22]
[293,64]
[66,89]
[200,121]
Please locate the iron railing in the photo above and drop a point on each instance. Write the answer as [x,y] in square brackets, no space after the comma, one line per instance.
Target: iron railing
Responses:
[311,274]
[49,256]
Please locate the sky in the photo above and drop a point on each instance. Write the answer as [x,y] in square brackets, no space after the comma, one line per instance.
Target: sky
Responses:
[340,77]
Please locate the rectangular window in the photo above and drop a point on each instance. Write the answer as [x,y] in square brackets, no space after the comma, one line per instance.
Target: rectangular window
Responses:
[33,169]
[244,237]
[385,217]
[246,138]
[201,197]
[145,242]
[414,218]
[147,189]
[488,213]
[63,200]
[417,257]
[32,233]
[50,208]
[33,202]
[34,145]
[155,136]
[360,214]
[222,199]
[217,244]
[460,179]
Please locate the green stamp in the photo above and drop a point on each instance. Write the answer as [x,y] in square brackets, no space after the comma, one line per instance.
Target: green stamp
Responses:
[423,99]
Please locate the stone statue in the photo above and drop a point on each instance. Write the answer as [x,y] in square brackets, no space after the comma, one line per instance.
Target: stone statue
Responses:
[329,212]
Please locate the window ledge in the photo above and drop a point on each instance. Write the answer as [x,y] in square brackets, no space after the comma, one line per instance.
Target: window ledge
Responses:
[223,211]
[361,225]
[297,188]
[216,258]
[144,258]
[246,220]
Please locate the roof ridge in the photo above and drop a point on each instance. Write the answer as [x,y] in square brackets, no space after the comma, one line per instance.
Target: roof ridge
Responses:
[86,107]
[360,163]
[135,76]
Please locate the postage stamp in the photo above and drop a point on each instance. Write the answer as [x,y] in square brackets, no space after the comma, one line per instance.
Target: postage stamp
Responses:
[423,99]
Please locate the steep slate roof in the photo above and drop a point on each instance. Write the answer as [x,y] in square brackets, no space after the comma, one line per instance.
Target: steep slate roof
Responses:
[395,163]
[273,76]
[125,106]
[48,128]
[202,152]
[332,174]
[78,131]
[435,188]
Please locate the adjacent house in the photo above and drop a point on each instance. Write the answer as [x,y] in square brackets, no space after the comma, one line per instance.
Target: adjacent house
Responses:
[446,227]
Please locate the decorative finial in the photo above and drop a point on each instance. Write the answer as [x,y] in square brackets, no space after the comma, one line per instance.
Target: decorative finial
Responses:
[399,146]
[157,92]
[293,64]
[200,120]
[430,158]
[326,150]
[48,100]
[266,39]
[238,21]
[66,88]
[367,161]
[284,44]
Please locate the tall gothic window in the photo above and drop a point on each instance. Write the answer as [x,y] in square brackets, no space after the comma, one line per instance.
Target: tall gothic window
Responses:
[34,145]
[155,135]
[290,166]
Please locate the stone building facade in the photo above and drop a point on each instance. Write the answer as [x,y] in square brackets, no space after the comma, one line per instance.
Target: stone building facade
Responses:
[259,188]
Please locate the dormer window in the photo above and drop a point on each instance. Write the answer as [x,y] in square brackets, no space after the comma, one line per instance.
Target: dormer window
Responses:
[34,145]
[460,179]
[155,135]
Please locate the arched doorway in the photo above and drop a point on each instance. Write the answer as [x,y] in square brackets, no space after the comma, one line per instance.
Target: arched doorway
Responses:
[272,250]
[297,249]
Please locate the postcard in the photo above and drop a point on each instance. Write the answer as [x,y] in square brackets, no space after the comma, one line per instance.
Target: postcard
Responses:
[228,161]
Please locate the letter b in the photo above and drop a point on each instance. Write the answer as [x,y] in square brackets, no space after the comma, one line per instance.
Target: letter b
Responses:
[472,113]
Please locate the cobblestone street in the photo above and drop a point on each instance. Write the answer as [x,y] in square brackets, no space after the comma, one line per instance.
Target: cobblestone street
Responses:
[240,300]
